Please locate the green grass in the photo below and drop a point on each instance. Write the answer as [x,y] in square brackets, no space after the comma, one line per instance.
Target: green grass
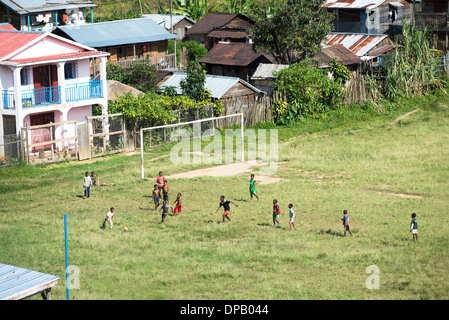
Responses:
[360,162]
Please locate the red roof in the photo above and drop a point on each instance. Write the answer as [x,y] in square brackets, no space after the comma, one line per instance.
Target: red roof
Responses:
[7,27]
[12,41]
[62,56]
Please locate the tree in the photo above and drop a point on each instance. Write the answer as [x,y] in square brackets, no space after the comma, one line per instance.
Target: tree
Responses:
[293,32]
[142,76]
[193,85]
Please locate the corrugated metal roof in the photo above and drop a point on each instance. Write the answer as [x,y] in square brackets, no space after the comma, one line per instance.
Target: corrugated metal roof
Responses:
[340,53]
[11,41]
[224,33]
[358,43]
[234,54]
[380,51]
[15,281]
[353,4]
[6,26]
[115,33]
[164,19]
[30,6]
[218,85]
[62,56]
[265,70]
[216,20]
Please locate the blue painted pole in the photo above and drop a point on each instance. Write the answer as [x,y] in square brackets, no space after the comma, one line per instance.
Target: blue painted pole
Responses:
[91,15]
[28,22]
[66,257]
[56,18]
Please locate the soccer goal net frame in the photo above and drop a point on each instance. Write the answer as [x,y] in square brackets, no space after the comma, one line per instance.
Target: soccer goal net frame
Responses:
[179,124]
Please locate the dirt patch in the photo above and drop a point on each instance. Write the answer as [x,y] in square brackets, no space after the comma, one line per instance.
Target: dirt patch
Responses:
[400,195]
[403,116]
[228,170]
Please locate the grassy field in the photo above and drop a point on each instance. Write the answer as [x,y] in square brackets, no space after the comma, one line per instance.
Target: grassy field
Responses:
[380,171]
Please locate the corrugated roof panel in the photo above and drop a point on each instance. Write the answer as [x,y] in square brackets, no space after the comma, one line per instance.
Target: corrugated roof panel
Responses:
[353,4]
[14,281]
[360,44]
[164,19]
[218,85]
[116,33]
[265,70]
[28,6]
[14,40]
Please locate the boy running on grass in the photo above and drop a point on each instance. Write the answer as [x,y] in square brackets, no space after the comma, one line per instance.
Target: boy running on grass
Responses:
[346,222]
[160,182]
[164,209]
[252,188]
[276,213]
[178,206]
[291,215]
[414,227]
[225,204]
[109,219]
[156,195]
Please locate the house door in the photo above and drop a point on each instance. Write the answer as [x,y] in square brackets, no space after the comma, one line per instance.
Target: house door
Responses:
[45,83]
[10,135]
[43,134]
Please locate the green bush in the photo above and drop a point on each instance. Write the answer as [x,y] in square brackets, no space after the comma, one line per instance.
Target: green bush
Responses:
[308,90]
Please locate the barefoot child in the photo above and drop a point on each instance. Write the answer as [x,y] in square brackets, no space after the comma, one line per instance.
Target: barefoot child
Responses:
[109,219]
[346,222]
[164,209]
[291,215]
[87,182]
[276,213]
[94,178]
[414,227]
[160,182]
[165,190]
[178,206]
[225,204]
[156,195]
[252,188]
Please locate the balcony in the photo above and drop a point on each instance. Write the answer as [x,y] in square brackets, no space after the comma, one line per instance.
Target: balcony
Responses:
[162,62]
[433,21]
[32,98]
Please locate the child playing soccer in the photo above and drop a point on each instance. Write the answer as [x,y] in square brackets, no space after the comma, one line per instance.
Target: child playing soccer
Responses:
[414,227]
[164,209]
[291,215]
[252,188]
[346,222]
[276,213]
[109,219]
[225,204]
[160,182]
[87,182]
[156,196]
[178,206]
[165,190]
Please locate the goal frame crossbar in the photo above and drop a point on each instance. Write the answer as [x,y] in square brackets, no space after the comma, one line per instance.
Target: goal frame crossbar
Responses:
[192,122]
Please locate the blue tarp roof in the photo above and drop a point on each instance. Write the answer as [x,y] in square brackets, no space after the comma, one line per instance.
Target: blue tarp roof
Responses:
[218,85]
[116,33]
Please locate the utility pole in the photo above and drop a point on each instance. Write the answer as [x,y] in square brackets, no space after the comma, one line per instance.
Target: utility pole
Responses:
[171,24]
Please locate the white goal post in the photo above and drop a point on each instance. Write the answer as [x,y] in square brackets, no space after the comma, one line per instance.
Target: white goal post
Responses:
[142,130]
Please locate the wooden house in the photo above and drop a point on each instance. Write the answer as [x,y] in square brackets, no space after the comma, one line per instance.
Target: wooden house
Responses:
[181,23]
[234,59]
[125,40]
[435,16]
[219,26]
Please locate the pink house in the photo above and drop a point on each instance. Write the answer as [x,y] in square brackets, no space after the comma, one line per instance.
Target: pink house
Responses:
[46,78]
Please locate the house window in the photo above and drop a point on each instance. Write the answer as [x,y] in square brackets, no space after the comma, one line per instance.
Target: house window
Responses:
[25,78]
[71,70]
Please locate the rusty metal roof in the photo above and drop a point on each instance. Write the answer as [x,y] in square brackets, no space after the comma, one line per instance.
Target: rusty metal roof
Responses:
[353,4]
[232,34]
[358,43]
[340,53]
[234,54]
[380,51]
[215,20]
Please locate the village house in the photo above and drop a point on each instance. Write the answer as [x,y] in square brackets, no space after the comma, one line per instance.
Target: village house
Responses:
[369,16]
[181,23]
[125,40]
[234,59]
[44,15]
[220,26]
[435,16]
[46,79]
[264,76]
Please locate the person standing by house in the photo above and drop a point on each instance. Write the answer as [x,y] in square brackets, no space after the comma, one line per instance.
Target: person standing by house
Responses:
[87,182]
